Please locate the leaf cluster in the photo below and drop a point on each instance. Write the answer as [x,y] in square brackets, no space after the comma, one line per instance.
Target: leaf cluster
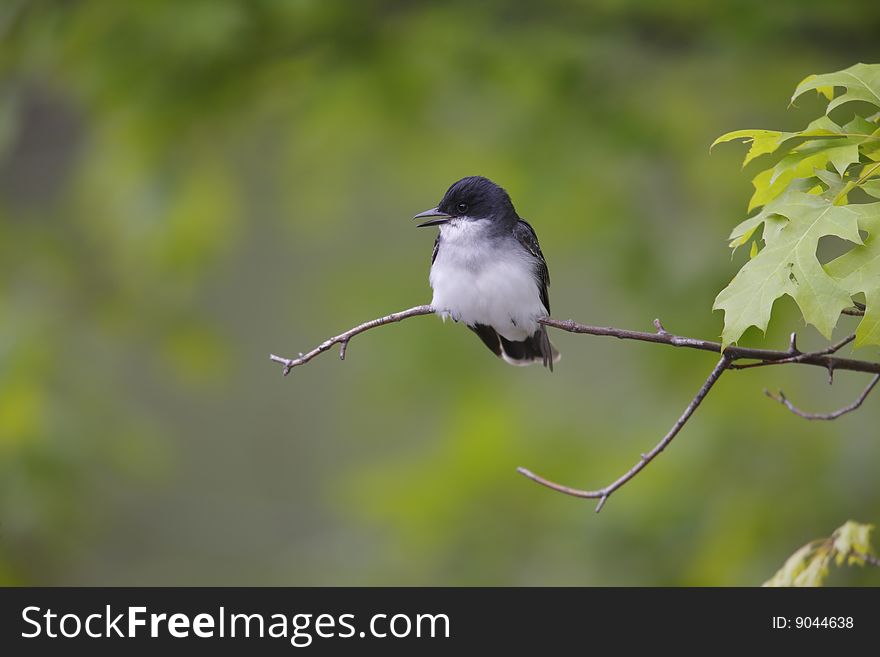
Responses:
[822,181]
[849,545]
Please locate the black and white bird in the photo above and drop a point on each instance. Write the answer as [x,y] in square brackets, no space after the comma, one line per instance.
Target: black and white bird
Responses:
[487,270]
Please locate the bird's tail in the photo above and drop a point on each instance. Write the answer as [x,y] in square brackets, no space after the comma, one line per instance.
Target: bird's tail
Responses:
[534,349]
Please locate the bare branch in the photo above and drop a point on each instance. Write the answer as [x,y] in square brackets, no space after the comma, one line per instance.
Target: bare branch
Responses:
[781,398]
[343,338]
[604,493]
[823,358]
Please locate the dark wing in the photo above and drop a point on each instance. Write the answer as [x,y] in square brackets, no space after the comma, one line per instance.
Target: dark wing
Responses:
[525,235]
[436,248]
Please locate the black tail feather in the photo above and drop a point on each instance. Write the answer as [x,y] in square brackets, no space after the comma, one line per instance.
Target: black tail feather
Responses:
[489,337]
[535,348]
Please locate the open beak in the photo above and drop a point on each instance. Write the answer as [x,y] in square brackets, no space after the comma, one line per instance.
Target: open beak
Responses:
[434,217]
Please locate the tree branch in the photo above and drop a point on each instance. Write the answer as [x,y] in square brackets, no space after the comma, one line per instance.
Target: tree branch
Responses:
[781,398]
[343,338]
[766,356]
[603,493]
[825,358]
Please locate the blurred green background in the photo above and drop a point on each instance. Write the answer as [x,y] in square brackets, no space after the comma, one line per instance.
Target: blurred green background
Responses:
[188,186]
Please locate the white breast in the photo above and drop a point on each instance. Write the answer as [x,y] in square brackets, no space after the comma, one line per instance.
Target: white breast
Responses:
[478,281]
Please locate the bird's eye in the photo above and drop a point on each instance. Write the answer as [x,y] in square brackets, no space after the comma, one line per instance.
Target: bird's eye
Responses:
[462,207]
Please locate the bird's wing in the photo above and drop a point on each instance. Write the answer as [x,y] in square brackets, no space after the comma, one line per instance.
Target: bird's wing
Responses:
[436,248]
[525,235]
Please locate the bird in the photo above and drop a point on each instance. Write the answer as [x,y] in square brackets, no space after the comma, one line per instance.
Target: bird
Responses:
[488,271]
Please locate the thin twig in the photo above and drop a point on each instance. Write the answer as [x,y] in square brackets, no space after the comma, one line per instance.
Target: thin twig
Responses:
[604,493]
[343,338]
[782,399]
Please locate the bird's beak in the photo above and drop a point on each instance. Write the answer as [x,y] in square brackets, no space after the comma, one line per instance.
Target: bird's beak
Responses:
[435,217]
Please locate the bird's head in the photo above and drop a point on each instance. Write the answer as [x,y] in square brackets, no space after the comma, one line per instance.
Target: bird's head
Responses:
[471,199]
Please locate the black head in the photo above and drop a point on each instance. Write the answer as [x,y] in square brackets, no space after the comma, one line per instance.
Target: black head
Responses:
[471,199]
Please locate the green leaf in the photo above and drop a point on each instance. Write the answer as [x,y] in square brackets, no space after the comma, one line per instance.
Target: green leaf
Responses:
[809,160]
[850,541]
[792,567]
[816,570]
[741,234]
[788,265]
[770,183]
[843,156]
[858,270]
[764,142]
[859,126]
[833,182]
[744,231]
[872,187]
[871,150]
[860,81]
[839,155]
